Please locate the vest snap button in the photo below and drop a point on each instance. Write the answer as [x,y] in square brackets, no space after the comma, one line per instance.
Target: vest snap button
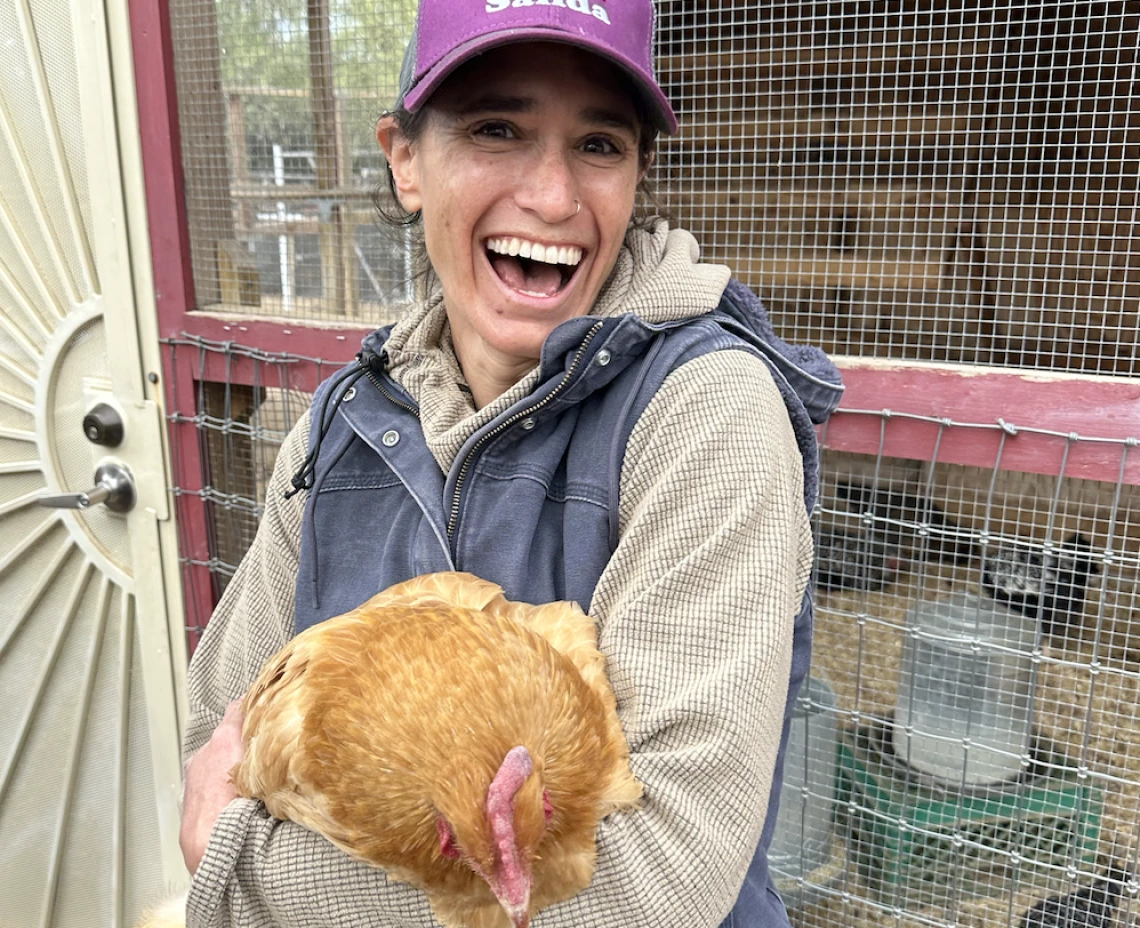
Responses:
[603,357]
[348,395]
[390,438]
[527,424]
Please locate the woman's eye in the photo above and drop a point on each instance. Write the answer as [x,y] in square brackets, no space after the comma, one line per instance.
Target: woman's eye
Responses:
[494,130]
[600,145]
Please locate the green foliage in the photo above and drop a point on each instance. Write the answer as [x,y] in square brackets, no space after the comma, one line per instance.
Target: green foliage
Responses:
[265,49]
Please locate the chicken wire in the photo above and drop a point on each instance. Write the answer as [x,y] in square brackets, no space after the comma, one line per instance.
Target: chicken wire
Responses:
[866,838]
[237,429]
[897,181]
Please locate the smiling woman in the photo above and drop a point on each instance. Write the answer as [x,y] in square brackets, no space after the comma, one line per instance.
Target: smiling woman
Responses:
[534,143]
[579,409]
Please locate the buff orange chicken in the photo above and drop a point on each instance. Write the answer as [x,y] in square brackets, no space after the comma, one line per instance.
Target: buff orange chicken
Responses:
[466,744]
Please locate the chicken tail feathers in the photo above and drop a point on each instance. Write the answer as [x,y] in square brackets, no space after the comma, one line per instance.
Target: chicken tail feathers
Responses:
[268,747]
[289,665]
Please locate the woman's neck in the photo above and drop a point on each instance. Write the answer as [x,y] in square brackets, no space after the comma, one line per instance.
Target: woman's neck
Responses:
[488,373]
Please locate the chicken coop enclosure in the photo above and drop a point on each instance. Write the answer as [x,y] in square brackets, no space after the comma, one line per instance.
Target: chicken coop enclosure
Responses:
[944,196]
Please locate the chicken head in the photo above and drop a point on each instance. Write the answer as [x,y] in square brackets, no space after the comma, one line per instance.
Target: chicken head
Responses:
[505,864]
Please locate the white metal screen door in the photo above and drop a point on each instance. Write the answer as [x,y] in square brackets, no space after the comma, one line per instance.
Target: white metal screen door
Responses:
[92,653]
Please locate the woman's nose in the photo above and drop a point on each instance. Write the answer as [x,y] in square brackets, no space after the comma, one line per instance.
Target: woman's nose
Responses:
[549,187]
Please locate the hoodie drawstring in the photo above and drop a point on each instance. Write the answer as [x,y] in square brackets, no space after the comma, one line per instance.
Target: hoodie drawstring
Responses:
[304,478]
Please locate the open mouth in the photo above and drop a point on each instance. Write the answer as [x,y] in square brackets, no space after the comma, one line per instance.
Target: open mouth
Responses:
[531,268]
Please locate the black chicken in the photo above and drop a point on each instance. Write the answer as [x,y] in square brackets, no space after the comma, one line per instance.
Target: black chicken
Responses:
[1051,586]
[870,557]
[909,523]
[1091,907]
[848,560]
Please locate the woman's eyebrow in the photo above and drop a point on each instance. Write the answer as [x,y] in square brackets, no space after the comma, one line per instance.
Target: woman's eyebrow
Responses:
[511,103]
[610,118]
[496,103]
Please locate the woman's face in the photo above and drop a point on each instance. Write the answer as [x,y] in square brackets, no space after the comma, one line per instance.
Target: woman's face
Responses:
[512,144]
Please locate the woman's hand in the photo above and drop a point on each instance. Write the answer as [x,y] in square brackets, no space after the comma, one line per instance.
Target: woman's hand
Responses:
[208,788]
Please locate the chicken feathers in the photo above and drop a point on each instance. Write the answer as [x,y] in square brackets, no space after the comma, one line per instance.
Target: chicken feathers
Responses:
[384,729]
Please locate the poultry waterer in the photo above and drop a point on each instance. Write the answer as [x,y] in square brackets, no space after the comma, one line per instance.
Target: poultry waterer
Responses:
[963,708]
[955,797]
[806,854]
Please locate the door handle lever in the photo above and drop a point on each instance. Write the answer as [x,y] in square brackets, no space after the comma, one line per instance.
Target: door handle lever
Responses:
[114,487]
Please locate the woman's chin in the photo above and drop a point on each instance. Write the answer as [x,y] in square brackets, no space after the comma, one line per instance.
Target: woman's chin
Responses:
[523,343]
[520,331]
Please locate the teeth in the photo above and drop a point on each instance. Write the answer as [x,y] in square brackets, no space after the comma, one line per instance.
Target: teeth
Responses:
[547,254]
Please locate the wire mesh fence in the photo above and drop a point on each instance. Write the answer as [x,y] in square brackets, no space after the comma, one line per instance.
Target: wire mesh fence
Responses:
[952,185]
[975,625]
[896,181]
[236,429]
[968,745]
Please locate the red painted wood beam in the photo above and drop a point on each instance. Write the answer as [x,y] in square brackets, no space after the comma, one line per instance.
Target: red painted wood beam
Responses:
[173,279]
[296,356]
[1089,426]
[951,411]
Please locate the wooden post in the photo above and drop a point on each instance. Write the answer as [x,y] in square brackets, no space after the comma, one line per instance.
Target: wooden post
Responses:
[239,162]
[348,219]
[325,130]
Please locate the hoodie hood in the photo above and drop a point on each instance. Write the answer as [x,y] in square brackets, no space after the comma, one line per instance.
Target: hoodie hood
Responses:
[658,280]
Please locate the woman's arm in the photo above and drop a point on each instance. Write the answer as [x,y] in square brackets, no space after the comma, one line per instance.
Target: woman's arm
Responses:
[696,612]
[254,869]
[254,620]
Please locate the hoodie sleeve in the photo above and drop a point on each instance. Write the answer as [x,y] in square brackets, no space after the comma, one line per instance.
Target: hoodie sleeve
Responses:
[257,870]
[695,611]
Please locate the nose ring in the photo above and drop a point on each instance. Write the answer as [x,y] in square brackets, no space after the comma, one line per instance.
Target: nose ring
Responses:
[579,209]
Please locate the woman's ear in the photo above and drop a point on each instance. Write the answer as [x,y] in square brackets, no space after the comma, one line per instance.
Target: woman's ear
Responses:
[401,155]
[645,168]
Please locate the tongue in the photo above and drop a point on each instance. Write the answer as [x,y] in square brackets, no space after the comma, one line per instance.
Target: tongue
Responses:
[532,277]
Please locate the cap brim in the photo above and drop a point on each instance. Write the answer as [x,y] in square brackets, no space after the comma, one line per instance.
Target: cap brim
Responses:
[664,118]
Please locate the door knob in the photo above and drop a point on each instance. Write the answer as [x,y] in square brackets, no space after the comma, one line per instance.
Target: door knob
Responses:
[114,487]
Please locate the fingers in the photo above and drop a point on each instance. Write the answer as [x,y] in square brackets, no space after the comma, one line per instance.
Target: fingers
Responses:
[208,787]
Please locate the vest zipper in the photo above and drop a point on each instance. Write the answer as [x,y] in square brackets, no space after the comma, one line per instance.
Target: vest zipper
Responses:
[453,517]
[387,393]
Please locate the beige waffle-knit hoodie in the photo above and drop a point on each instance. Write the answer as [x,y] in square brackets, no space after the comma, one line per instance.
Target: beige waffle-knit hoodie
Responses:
[695,613]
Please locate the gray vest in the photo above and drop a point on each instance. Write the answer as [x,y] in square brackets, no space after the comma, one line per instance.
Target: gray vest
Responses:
[531,502]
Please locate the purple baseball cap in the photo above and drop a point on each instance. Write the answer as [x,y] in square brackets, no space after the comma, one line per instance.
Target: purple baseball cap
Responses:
[449,33]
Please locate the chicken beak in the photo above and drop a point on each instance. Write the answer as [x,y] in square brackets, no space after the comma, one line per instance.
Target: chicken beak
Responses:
[518,914]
